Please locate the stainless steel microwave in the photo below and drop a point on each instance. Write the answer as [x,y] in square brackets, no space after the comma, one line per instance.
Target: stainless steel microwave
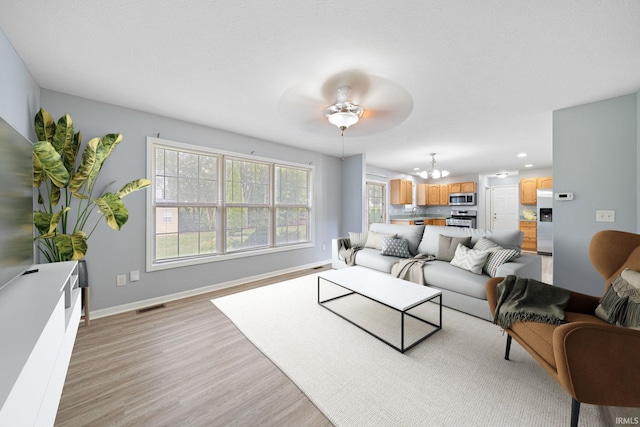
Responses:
[462,199]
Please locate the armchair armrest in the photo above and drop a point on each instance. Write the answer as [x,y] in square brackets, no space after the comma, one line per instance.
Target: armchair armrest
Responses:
[597,363]
[582,303]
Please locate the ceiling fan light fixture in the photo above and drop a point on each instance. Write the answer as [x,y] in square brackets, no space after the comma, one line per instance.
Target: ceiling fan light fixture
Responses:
[343,114]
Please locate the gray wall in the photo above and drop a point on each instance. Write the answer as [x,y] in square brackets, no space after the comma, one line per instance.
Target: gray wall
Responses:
[353,188]
[111,253]
[19,92]
[595,157]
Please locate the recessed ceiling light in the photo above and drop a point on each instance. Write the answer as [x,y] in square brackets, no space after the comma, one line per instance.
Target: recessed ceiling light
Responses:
[522,155]
[502,174]
[528,166]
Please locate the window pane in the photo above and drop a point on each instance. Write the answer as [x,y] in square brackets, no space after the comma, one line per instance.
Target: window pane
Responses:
[247,182]
[292,225]
[247,228]
[291,186]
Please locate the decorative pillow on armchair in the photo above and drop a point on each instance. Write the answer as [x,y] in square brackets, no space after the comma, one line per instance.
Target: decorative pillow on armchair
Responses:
[469,259]
[395,247]
[620,305]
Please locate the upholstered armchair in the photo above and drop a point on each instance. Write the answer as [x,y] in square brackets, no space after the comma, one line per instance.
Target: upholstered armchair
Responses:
[594,361]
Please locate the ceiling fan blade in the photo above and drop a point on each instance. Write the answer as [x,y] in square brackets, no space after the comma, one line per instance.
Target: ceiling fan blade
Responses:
[356,81]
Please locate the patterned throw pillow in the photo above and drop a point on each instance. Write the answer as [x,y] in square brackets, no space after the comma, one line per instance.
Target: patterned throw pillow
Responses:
[497,255]
[395,247]
[620,305]
[358,240]
[469,259]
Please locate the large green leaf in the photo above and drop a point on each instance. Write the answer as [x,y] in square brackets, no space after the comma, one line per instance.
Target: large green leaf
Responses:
[104,149]
[70,151]
[71,247]
[46,223]
[64,133]
[113,210]
[48,160]
[132,186]
[87,166]
[45,126]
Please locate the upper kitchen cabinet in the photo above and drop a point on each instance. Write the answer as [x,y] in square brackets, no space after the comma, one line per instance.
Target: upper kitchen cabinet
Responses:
[422,195]
[401,191]
[544,182]
[432,195]
[528,187]
[462,187]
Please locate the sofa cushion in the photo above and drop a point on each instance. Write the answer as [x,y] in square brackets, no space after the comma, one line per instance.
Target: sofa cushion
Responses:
[413,233]
[539,336]
[371,258]
[447,246]
[469,259]
[443,275]
[395,247]
[374,240]
[508,239]
[358,240]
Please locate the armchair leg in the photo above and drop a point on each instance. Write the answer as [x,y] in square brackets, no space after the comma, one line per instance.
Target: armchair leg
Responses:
[508,349]
[575,412]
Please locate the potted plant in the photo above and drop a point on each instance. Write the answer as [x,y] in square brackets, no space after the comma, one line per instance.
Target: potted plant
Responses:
[66,190]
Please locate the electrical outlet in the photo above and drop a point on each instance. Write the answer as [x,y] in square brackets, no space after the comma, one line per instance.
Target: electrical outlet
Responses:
[134,275]
[121,280]
[605,216]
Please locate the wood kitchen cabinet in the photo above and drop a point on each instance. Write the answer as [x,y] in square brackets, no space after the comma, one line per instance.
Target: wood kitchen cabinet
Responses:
[432,195]
[422,196]
[530,238]
[433,191]
[528,195]
[444,195]
[544,182]
[462,187]
[401,190]
[528,187]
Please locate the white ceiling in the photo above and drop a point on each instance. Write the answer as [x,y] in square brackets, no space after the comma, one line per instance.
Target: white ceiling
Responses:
[484,76]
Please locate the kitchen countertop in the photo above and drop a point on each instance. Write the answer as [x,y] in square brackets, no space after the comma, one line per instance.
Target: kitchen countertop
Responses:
[415,218]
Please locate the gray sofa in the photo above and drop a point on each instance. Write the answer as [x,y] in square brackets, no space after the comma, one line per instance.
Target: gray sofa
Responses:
[461,289]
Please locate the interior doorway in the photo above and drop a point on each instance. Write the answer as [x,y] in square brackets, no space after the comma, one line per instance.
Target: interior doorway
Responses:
[504,207]
[376,202]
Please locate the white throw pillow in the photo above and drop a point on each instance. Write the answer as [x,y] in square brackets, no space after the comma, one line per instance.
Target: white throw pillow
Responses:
[358,240]
[469,259]
[374,240]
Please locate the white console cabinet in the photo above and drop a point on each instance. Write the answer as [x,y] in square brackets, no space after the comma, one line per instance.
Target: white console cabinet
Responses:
[39,317]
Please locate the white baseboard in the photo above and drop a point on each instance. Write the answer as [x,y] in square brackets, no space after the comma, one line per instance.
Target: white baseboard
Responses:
[203,290]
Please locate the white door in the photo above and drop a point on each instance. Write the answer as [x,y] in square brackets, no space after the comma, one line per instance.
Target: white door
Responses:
[504,208]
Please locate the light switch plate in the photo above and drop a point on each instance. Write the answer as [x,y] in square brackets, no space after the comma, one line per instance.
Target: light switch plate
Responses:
[605,216]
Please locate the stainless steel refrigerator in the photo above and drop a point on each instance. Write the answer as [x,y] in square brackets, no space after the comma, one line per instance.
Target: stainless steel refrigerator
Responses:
[545,221]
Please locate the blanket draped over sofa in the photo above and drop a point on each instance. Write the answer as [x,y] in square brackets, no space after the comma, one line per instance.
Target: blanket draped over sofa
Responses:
[411,268]
[528,300]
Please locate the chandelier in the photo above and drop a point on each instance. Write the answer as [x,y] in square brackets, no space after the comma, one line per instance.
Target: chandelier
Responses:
[434,172]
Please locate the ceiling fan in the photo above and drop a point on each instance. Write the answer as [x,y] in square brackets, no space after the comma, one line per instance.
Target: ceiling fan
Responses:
[363,103]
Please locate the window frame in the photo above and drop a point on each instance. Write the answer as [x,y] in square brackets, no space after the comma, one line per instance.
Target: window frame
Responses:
[221,207]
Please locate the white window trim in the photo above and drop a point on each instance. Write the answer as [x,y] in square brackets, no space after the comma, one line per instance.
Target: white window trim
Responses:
[150,224]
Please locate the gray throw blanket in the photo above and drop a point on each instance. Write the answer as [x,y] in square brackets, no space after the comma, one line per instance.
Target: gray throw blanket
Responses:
[411,268]
[347,252]
[528,300]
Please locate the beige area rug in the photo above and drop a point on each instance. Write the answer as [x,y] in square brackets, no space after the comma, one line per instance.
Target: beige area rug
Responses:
[457,377]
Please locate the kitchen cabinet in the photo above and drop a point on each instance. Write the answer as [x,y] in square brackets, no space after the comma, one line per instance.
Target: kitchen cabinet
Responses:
[462,187]
[444,195]
[530,238]
[544,182]
[401,191]
[433,192]
[422,196]
[437,221]
[528,187]
[403,222]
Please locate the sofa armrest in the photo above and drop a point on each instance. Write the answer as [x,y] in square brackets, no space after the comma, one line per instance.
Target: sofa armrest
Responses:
[336,260]
[598,363]
[529,266]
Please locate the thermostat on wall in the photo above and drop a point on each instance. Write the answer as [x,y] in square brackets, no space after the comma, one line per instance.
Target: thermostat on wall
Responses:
[564,196]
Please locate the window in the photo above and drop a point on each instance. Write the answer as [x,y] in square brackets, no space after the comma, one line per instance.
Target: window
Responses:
[376,203]
[209,205]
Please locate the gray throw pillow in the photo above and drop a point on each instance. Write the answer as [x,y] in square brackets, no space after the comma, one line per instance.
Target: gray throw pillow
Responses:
[448,244]
[395,247]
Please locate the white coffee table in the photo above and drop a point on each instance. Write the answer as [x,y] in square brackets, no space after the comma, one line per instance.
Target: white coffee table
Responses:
[385,289]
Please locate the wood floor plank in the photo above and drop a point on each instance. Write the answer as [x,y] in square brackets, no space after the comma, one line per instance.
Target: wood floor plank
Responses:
[182,365]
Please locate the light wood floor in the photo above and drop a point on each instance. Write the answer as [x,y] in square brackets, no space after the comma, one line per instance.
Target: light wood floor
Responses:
[183,365]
